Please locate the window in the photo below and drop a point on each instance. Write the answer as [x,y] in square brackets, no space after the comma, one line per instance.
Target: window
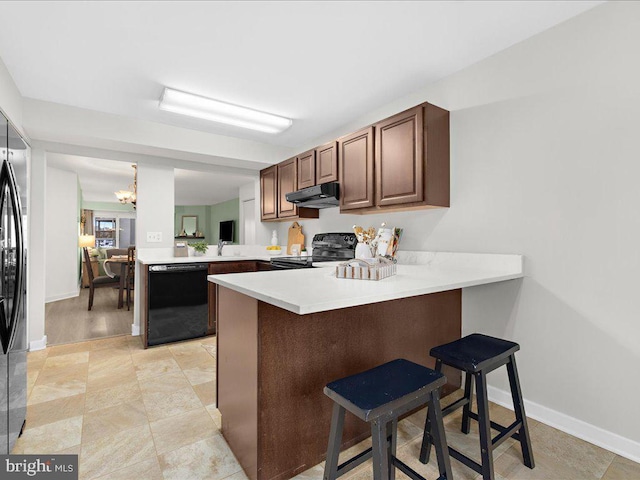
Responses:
[114,230]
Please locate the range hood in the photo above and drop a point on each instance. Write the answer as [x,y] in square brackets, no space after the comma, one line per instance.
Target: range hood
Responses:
[321,196]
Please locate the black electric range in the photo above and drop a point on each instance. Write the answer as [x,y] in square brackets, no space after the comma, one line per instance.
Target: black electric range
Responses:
[326,247]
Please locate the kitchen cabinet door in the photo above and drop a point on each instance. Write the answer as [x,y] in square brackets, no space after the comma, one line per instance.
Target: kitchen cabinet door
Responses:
[399,159]
[219,268]
[355,160]
[307,169]
[269,193]
[327,163]
[287,183]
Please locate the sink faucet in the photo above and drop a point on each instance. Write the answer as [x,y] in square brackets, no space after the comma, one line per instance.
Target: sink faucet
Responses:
[221,243]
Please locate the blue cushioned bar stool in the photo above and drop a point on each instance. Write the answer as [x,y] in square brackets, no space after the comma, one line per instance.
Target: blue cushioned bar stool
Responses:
[477,355]
[379,396]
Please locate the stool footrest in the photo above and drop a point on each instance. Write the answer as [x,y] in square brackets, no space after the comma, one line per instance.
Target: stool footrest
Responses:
[506,432]
[407,470]
[353,462]
[454,406]
[501,428]
[475,466]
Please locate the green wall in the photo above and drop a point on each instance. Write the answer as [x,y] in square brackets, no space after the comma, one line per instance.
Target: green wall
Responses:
[209,218]
[229,210]
[109,206]
[200,211]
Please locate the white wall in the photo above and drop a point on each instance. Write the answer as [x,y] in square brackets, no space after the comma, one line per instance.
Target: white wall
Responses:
[61,248]
[545,162]
[10,98]
[37,238]
[155,205]
[154,213]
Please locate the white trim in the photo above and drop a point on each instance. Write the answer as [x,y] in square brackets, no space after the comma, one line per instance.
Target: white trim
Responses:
[625,447]
[135,330]
[38,344]
[62,296]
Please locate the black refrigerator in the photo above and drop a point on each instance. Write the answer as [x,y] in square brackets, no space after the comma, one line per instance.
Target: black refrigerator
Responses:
[13,330]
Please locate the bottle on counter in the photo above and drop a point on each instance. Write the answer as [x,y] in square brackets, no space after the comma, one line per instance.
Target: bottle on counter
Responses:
[274,238]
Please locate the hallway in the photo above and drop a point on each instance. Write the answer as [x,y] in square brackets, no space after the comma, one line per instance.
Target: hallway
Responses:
[69,321]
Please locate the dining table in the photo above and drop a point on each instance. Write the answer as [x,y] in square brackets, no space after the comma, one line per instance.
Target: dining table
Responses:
[122,262]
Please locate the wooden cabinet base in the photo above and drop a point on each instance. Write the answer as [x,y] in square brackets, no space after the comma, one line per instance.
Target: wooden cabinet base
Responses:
[275,417]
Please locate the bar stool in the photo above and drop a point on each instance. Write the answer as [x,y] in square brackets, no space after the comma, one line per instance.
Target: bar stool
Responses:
[477,355]
[379,396]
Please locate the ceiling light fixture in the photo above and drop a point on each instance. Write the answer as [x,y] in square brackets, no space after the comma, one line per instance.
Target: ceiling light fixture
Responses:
[222,112]
[131,195]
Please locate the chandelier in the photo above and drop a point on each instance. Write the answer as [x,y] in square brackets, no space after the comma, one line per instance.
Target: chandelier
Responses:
[129,196]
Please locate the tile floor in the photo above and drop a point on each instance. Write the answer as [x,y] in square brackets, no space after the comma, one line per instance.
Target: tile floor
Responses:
[131,413]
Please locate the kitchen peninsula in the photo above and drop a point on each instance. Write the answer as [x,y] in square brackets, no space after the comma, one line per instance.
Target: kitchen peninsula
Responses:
[283,335]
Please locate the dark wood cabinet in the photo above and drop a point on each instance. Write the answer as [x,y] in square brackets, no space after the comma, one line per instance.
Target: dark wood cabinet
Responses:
[400,163]
[219,268]
[409,168]
[269,193]
[327,163]
[287,183]
[263,266]
[355,154]
[275,182]
[399,159]
[307,169]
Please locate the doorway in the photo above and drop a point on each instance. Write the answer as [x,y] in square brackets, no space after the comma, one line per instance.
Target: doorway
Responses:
[249,222]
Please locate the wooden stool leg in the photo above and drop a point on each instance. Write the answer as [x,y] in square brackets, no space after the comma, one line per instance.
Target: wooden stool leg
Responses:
[468,383]
[484,426]
[518,407]
[335,439]
[425,450]
[439,436]
[380,447]
[392,436]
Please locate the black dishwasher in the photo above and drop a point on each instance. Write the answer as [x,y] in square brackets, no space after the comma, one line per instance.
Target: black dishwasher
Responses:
[177,302]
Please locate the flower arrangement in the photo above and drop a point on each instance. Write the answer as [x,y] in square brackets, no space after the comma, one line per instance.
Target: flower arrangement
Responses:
[380,243]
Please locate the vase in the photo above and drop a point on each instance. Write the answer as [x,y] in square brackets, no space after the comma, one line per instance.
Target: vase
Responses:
[363,251]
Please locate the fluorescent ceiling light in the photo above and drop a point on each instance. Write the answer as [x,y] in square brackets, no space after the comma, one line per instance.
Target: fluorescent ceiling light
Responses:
[222,112]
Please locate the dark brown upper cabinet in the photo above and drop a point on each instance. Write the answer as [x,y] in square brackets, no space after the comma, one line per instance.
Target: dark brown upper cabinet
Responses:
[287,182]
[355,153]
[399,159]
[411,163]
[400,163]
[275,182]
[327,163]
[269,193]
[307,169]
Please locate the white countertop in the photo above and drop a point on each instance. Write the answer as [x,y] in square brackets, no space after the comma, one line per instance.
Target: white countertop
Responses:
[313,290]
[231,253]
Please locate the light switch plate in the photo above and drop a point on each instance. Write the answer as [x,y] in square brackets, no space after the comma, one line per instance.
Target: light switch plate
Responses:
[154,237]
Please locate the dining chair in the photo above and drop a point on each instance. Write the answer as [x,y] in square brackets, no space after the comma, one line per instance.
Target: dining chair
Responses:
[131,273]
[96,282]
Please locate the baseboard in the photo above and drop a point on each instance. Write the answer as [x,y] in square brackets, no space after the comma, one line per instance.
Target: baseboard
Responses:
[613,442]
[135,330]
[38,344]
[62,296]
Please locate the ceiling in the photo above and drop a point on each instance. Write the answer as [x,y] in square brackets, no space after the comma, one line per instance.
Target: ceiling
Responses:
[323,64]
[99,179]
